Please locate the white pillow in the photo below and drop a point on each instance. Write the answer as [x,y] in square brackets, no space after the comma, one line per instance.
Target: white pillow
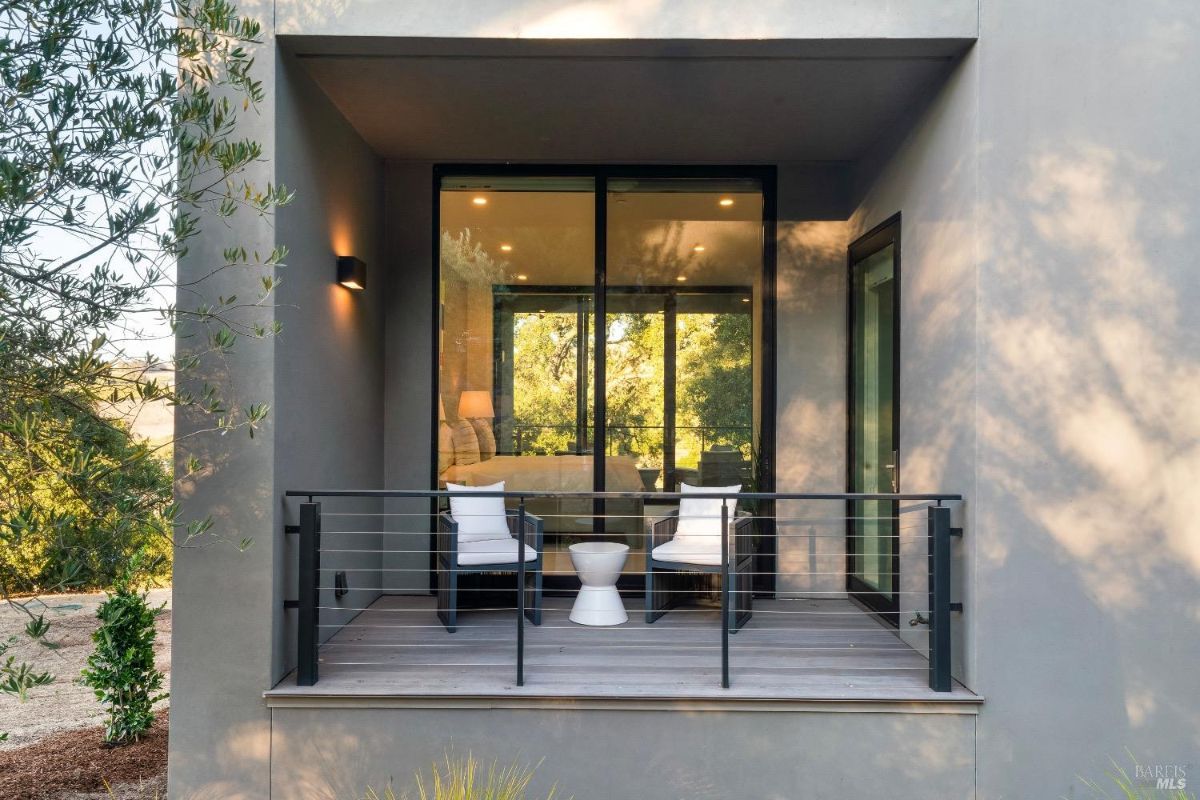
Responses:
[479,518]
[702,516]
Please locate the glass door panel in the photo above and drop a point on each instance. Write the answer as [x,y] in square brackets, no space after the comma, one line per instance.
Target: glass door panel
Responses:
[683,276]
[872,543]
[544,373]
[714,393]
[515,361]
[571,361]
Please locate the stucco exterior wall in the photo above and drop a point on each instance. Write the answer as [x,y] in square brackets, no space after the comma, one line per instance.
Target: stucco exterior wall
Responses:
[624,754]
[631,19]
[1089,369]
[223,600]
[409,370]
[925,169]
[232,635]
[811,384]
[329,429]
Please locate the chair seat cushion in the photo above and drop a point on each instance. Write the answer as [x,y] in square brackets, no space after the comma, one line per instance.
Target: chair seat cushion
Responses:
[491,551]
[690,551]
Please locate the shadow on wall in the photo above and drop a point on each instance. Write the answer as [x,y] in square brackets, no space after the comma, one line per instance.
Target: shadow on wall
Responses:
[697,755]
[242,757]
[214,565]
[811,438]
[1090,451]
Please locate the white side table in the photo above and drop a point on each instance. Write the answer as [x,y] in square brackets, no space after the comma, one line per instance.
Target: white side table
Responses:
[598,565]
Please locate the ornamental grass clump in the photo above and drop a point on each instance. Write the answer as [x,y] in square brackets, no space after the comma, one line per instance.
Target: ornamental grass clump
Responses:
[121,670]
[464,779]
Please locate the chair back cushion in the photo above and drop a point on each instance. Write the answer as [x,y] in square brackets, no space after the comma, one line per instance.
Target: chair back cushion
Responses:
[478,518]
[700,517]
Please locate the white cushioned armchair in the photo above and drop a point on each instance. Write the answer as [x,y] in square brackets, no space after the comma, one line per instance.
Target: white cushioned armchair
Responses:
[683,551]
[478,535]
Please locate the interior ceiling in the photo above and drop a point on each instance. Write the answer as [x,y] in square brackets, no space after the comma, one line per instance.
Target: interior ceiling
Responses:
[654,238]
[595,102]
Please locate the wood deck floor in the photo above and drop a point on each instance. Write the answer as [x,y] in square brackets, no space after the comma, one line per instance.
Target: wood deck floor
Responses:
[820,650]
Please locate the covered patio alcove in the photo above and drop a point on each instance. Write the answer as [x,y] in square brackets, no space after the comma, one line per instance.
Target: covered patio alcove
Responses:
[835,133]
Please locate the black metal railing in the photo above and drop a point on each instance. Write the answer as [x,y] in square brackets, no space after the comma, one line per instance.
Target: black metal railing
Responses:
[741,560]
[623,438]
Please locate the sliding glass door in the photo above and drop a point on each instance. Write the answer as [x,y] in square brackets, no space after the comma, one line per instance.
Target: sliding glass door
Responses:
[872,535]
[684,269]
[600,330]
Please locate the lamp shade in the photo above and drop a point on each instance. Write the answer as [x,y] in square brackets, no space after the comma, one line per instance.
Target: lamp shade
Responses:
[475,404]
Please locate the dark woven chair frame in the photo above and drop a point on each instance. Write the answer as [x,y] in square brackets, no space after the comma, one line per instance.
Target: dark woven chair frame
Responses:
[670,584]
[449,569]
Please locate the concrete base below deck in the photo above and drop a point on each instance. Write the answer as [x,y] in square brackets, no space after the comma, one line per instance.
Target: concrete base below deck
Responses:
[625,754]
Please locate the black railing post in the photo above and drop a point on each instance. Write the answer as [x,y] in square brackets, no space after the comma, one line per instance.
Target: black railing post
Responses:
[724,595]
[939,598]
[521,592]
[308,615]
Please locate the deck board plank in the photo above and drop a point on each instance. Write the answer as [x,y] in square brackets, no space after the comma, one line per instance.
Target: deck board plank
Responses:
[791,649]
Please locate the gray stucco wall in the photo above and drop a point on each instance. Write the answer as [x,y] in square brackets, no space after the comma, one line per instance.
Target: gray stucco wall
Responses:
[229,628]
[409,382]
[925,169]
[1089,371]
[224,601]
[321,754]
[811,358]
[621,19]
[1046,188]
[329,422]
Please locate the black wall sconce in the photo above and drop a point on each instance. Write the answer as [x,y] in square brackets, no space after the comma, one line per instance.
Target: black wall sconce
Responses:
[351,273]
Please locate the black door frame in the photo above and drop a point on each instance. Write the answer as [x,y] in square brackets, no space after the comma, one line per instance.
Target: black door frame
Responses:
[668,302]
[882,235]
[764,579]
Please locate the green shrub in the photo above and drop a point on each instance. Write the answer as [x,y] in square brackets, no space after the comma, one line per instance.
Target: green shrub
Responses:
[463,779]
[78,498]
[121,671]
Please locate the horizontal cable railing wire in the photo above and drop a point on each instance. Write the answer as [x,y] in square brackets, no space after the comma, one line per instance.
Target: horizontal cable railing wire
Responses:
[779,575]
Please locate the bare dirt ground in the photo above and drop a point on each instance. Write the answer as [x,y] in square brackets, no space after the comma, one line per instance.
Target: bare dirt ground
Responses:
[39,729]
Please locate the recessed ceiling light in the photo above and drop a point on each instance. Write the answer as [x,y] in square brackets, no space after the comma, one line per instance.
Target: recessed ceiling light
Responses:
[697,248]
[522,277]
[681,278]
[479,200]
[506,248]
[726,201]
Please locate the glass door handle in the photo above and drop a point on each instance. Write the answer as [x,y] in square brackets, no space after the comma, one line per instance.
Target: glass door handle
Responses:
[891,468]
